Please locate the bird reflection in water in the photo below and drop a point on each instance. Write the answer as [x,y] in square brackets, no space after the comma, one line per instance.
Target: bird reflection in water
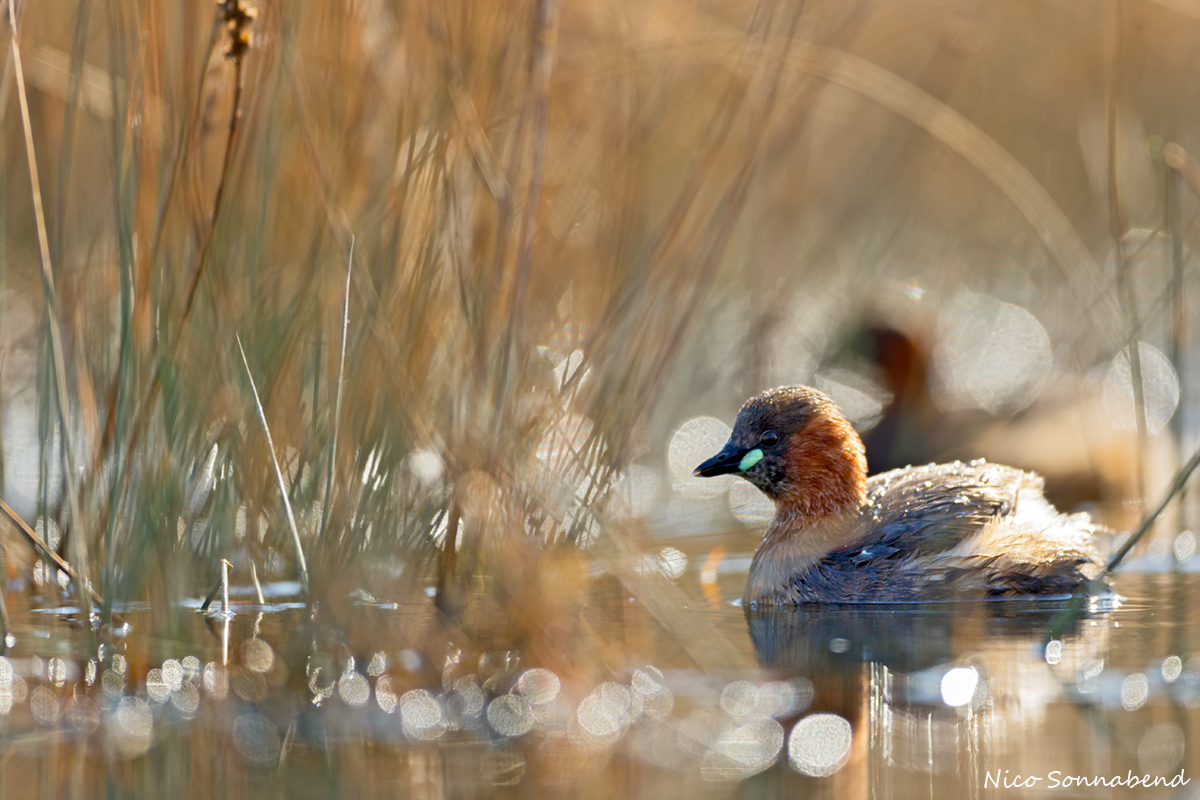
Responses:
[921,698]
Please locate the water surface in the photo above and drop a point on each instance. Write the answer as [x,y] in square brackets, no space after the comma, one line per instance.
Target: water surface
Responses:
[377,698]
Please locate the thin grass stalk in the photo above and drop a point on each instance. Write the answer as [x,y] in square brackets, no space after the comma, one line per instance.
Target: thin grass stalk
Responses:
[1178,328]
[337,403]
[318,353]
[1116,219]
[212,593]
[4,601]
[236,54]
[3,364]
[45,395]
[258,592]
[124,371]
[541,64]
[222,586]
[119,392]
[473,131]
[301,563]
[118,419]
[70,110]
[1064,618]
[6,80]
[4,337]
[449,595]
[225,565]
[1182,169]
[235,119]
[1129,302]
[78,541]
[47,552]
[111,420]
[1177,485]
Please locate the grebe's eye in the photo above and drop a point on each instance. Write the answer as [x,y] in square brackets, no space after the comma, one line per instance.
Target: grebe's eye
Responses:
[769,439]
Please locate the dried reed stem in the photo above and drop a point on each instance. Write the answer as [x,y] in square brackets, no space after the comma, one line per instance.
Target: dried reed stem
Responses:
[236,53]
[1064,618]
[78,541]
[46,551]
[237,18]
[287,505]
[258,592]
[71,107]
[222,583]
[337,403]
[1179,325]
[541,64]
[1117,231]
[1181,167]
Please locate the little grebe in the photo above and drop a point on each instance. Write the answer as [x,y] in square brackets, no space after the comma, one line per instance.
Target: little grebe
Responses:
[919,533]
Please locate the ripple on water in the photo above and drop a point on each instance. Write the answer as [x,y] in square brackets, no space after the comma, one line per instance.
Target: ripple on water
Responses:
[398,697]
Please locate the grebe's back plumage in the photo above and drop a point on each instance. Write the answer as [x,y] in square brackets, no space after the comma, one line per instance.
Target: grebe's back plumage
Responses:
[917,533]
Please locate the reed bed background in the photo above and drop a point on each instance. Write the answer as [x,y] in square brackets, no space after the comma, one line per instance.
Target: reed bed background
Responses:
[420,314]
[572,227]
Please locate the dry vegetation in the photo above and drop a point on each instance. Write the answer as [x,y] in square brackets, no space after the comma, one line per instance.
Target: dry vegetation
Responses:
[573,225]
[647,186]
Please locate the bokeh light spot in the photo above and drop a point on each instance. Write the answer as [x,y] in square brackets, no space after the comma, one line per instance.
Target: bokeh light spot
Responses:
[257,655]
[749,505]
[694,441]
[819,744]
[1161,748]
[1160,388]
[1184,546]
[354,689]
[421,715]
[990,354]
[256,739]
[958,686]
[1134,691]
[538,685]
[510,715]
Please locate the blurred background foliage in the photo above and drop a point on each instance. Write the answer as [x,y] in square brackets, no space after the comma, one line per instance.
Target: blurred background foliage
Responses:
[579,231]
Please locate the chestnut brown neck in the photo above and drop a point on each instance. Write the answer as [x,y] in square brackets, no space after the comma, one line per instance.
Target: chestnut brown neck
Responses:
[826,471]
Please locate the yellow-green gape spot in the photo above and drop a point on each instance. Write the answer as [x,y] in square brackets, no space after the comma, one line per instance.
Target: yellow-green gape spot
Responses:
[750,459]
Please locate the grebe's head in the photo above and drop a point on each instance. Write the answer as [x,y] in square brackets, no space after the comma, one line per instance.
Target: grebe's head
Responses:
[795,445]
